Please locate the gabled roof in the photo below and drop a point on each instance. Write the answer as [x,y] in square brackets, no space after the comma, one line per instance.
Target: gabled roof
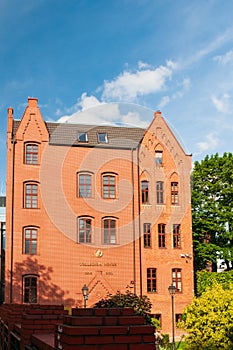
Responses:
[67,134]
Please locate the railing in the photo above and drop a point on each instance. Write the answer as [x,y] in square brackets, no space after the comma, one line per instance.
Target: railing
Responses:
[14,341]
[5,337]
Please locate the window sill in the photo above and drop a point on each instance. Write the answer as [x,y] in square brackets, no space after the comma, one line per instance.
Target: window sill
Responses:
[29,164]
[109,198]
[32,208]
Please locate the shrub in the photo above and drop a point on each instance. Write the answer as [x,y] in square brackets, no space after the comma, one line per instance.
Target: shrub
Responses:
[141,305]
[209,320]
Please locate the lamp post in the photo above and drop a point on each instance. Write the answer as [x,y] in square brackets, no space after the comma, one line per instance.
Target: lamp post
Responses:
[85,295]
[172,291]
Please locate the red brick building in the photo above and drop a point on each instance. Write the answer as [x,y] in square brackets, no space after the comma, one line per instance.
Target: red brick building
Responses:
[104,206]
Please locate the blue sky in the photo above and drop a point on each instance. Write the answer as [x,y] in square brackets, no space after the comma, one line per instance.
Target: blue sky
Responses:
[175,56]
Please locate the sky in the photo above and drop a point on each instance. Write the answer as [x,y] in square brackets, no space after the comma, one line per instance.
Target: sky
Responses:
[109,58]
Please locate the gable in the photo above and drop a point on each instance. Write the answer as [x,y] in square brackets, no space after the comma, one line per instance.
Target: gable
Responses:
[32,125]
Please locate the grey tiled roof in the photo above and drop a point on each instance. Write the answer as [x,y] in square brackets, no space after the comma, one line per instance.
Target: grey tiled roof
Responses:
[67,134]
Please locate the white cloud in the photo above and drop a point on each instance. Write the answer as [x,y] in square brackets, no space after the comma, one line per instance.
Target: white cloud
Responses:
[130,85]
[210,47]
[183,87]
[88,101]
[224,59]
[209,144]
[172,65]
[91,111]
[186,83]
[134,118]
[142,65]
[222,104]
[165,100]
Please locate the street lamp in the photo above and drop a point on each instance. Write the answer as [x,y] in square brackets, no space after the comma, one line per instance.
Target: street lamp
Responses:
[172,291]
[85,294]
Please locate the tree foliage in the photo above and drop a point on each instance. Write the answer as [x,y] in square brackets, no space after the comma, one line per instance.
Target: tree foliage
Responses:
[206,280]
[212,203]
[209,320]
[141,305]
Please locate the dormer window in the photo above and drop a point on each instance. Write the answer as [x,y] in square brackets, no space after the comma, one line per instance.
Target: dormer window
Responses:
[82,137]
[102,137]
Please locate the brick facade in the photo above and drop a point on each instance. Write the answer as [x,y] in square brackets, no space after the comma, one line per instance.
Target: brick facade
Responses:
[63,233]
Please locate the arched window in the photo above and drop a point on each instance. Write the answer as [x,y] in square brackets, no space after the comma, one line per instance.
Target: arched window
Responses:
[177,279]
[174,193]
[160,192]
[30,195]
[109,186]
[30,289]
[30,240]
[147,235]
[145,191]
[31,153]
[158,158]
[85,230]
[84,185]
[174,189]
[109,230]
[161,236]
[176,236]
[151,280]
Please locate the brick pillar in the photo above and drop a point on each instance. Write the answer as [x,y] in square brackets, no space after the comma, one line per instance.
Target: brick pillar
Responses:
[40,319]
[10,314]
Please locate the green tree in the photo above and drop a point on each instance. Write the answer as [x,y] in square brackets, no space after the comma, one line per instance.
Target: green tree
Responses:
[206,280]
[209,320]
[212,210]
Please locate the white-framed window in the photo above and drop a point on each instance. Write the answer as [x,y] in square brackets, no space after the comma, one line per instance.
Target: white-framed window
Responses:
[82,136]
[102,137]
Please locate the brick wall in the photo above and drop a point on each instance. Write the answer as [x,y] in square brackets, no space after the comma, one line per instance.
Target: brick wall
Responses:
[50,327]
[104,329]
[25,320]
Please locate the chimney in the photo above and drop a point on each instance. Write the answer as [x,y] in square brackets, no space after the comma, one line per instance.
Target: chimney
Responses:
[10,120]
[32,102]
[157,114]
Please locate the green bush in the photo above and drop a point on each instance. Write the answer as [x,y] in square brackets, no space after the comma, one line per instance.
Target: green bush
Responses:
[206,280]
[141,305]
[209,320]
